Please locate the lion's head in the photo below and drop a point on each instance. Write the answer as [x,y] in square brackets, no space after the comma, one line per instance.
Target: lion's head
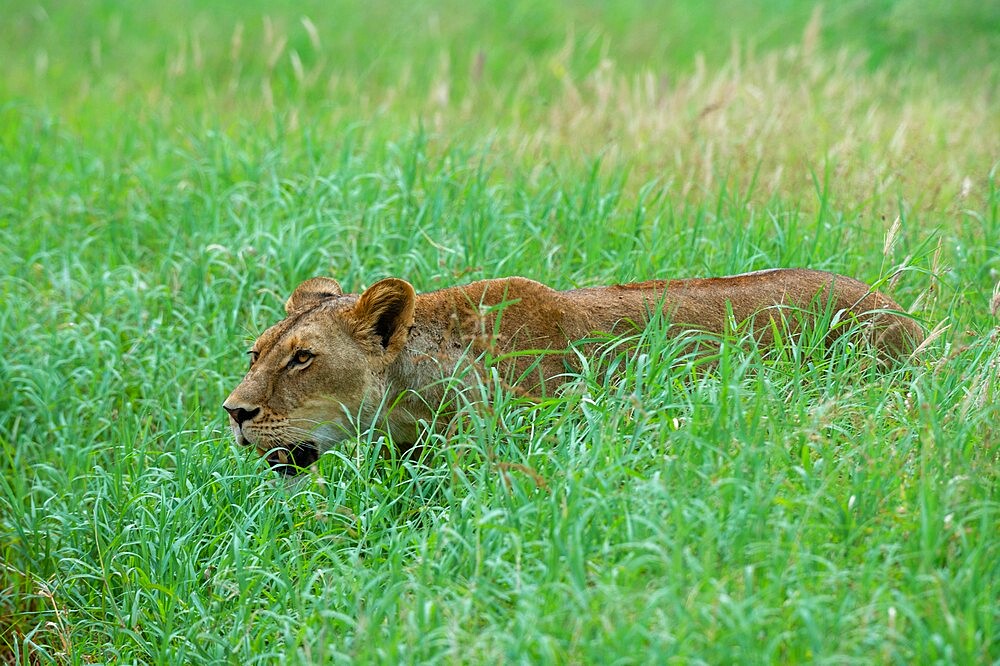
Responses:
[318,373]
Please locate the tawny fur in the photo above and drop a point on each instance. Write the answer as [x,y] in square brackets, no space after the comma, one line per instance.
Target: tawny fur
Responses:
[389,347]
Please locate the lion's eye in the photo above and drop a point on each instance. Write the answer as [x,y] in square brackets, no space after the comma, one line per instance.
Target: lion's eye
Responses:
[253,357]
[300,358]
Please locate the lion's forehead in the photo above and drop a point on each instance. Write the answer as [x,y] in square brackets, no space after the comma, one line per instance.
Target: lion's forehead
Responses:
[299,329]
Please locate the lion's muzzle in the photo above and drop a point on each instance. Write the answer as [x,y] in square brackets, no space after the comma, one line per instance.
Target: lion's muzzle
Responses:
[291,461]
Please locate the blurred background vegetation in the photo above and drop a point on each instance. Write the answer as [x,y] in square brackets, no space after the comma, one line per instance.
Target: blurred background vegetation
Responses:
[214,57]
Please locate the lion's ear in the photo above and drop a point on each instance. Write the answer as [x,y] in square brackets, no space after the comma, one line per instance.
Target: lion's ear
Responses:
[385,310]
[311,292]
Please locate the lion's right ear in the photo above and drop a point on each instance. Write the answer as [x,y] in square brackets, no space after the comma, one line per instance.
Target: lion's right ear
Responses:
[385,311]
[311,292]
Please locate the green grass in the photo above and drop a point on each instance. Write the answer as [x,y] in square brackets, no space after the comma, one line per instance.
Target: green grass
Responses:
[162,191]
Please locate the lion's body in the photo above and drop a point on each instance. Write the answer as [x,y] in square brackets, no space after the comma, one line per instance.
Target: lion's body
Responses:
[391,348]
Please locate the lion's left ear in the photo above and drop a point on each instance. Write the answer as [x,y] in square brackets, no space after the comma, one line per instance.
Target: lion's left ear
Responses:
[311,292]
[385,310]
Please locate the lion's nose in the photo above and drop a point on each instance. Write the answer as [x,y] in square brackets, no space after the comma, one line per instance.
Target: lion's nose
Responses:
[241,414]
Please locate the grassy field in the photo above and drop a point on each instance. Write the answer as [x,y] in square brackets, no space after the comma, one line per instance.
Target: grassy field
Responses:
[170,171]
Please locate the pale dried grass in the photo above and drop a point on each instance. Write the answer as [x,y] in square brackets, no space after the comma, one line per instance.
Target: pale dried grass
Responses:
[777,124]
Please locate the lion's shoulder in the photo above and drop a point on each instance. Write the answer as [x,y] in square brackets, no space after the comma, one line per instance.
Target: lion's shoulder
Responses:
[489,292]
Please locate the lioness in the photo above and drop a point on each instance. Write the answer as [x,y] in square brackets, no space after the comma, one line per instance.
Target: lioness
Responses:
[338,361]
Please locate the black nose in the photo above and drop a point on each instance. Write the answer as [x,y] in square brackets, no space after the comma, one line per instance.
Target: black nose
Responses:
[240,414]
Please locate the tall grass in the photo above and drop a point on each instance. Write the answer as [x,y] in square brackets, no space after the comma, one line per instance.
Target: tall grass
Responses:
[169,174]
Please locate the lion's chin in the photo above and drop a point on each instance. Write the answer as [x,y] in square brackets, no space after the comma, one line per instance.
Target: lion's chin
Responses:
[290,461]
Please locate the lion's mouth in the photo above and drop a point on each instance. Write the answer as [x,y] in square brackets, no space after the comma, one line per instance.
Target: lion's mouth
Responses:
[292,460]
